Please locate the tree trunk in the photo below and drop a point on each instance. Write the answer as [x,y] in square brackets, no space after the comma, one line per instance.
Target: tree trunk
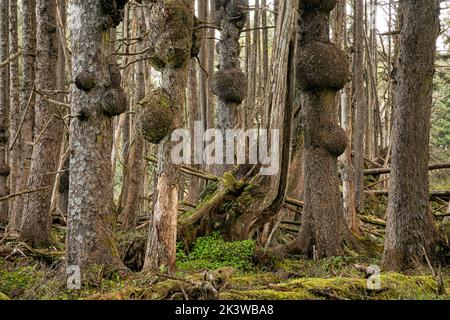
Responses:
[343,100]
[175,24]
[27,106]
[360,111]
[4,108]
[14,115]
[211,45]
[410,233]
[135,160]
[62,192]
[195,183]
[36,220]
[322,71]
[231,17]
[96,92]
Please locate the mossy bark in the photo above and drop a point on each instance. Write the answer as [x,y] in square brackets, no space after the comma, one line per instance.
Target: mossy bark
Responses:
[229,83]
[171,36]
[323,227]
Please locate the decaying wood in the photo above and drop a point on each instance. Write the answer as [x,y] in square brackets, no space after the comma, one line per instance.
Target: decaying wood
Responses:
[432,167]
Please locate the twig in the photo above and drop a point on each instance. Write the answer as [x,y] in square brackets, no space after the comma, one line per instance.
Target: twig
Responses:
[21,193]
[11,58]
[23,118]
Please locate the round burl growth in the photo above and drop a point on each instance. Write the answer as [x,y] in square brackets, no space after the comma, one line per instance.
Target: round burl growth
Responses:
[154,116]
[230,85]
[333,138]
[85,81]
[321,66]
[318,5]
[115,76]
[114,102]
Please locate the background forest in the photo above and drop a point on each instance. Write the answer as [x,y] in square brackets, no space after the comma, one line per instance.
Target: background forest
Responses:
[93,207]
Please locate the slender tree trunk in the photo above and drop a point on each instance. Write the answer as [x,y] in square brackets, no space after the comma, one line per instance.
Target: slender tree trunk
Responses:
[4,108]
[161,246]
[136,158]
[62,192]
[203,58]
[343,100]
[14,115]
[410,233]
[265,43]
[36,220]
[194,115]
[27,108]
[211,47]
[359,100]
[90,237]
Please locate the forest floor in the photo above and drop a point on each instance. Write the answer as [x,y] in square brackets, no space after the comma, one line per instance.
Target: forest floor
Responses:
[240,268]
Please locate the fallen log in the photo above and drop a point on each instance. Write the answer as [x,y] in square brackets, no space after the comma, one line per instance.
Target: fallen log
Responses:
[378,171]
[372,220]
[435,193]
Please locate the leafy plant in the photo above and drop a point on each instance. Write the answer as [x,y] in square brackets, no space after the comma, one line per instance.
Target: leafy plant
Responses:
[213,252]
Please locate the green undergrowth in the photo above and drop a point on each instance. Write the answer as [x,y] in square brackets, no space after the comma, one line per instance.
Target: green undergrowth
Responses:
[335,278]
[214,252]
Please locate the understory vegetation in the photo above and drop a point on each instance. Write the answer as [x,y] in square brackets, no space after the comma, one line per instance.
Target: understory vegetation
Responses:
[250,272]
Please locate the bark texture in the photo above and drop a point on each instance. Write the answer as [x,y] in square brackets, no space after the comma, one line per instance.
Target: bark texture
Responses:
[360,108]
[91,217]
[410,232]
[171,39]
[229,83]
[4,108]
[27,104]
[323,226]
[14,115]
[135,170]
[36,220]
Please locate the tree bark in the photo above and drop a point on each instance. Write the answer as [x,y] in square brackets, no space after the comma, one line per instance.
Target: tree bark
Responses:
[36,221]
[14,115]
[231,17]
[322,71]
[410,233]
[194,109]
[4,108]
[27,108]
[343,100]
[90,238]
[165,20]
[135,160]
[359,126]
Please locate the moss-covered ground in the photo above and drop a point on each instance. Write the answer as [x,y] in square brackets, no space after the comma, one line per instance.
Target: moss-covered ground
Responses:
[340,278]
[246,270]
